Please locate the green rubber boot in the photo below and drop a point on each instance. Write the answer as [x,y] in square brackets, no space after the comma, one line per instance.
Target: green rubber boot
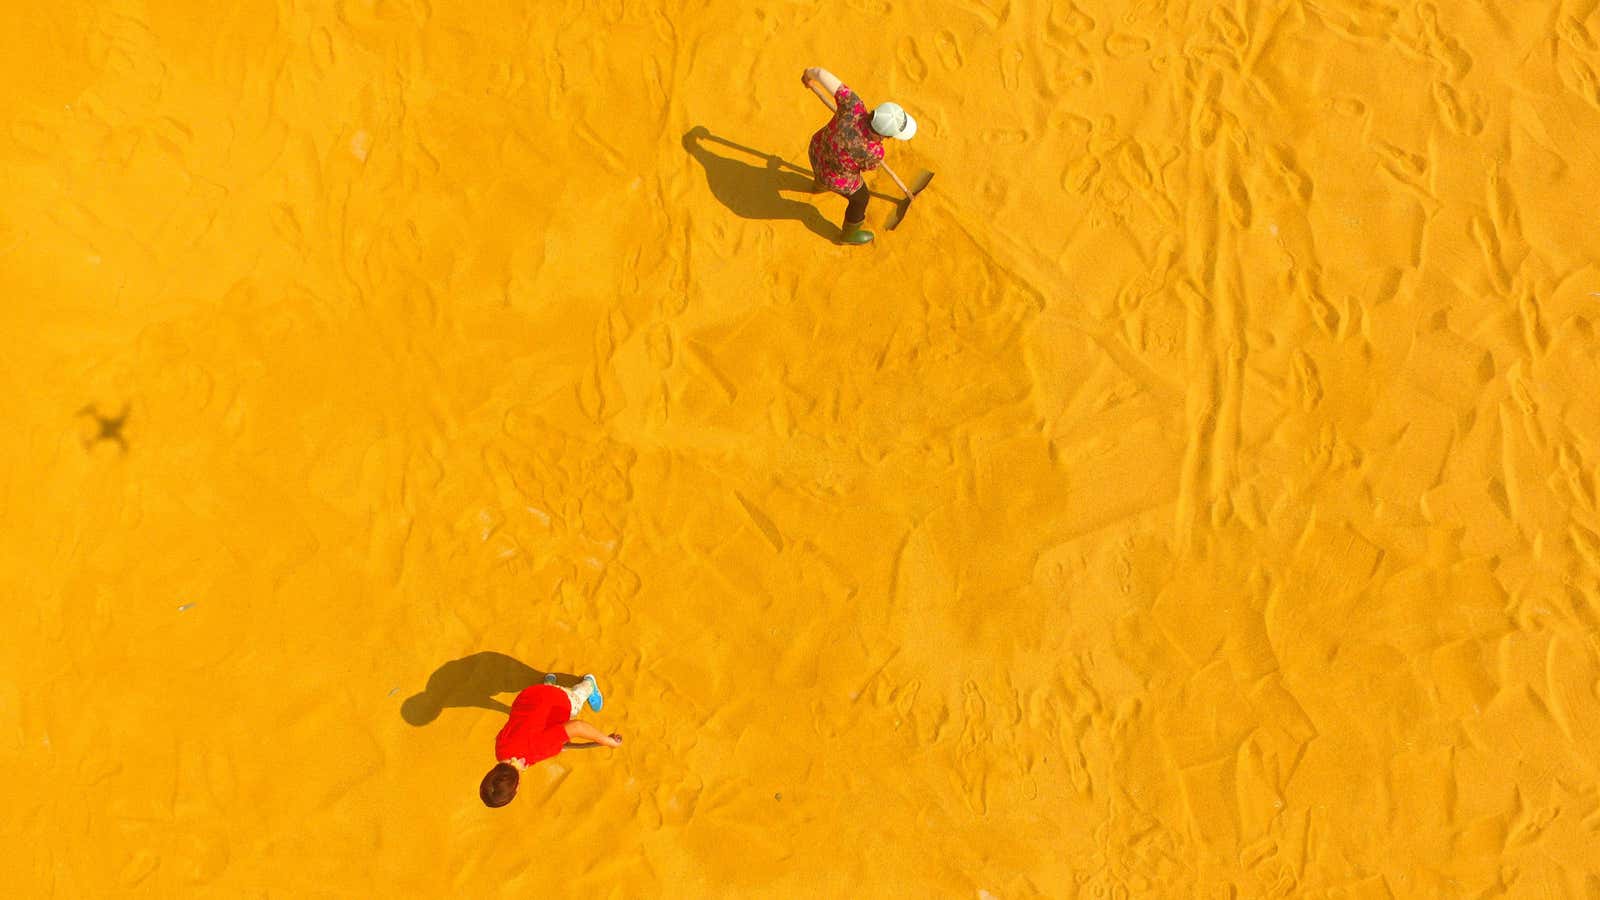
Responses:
[856,233]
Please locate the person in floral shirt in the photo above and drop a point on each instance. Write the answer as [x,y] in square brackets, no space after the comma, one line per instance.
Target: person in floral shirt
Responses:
[850,145]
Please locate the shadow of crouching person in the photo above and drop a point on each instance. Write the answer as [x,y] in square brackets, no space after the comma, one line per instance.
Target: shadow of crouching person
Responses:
[472,682]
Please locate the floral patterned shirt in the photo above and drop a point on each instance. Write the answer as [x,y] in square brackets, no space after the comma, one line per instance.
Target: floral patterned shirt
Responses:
[846,146]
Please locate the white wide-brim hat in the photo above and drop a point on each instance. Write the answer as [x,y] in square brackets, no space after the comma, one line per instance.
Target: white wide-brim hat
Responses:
[890,120]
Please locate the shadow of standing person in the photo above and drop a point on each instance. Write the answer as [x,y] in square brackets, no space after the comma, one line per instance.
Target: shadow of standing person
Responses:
[750,191]
[471,681]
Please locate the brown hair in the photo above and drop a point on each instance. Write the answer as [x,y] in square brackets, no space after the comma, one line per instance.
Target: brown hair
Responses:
[499,786]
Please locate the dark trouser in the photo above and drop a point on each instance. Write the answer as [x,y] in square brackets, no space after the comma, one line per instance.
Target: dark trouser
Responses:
[856,212]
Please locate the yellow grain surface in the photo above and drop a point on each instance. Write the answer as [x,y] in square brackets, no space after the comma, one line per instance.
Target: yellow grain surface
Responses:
[1194,497]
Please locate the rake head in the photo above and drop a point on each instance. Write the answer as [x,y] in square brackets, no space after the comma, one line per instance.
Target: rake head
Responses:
[903,205]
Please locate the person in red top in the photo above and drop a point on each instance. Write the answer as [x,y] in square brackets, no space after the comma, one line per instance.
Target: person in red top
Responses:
[850,145]
[543,720]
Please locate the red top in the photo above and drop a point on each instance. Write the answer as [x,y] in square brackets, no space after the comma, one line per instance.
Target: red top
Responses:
[535,731]
[846,146]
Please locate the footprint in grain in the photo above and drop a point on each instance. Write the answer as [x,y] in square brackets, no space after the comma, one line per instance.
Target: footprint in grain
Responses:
[140,865]
[1290,174]
[948,47]
[1402,164]
[1005,137]
[1307,384]
[1205,124]
[1443,46]
[1487,237]
[1011,68]
[1238,200]
[984,10]
[1079,174]
[933,720]
[1366,22]
[1070,123]
[1227,27]
[1066,17]
[1135,170]
[1455,114]
[1348,106]
[973,772]
[911,61]
[871,7]
[1122,45]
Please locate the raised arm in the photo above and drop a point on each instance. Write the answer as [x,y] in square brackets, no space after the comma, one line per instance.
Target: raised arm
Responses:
[828,80]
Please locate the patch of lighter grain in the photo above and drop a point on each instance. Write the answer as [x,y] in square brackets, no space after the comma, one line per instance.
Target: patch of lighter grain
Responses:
[361,145]
[541,515]
[1273,227]
[487,523]
[985,895]
[392,692]
[1594,293]
[185,607]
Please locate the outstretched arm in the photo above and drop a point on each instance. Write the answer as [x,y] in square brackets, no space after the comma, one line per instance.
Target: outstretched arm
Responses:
[579,731]
[828,80]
